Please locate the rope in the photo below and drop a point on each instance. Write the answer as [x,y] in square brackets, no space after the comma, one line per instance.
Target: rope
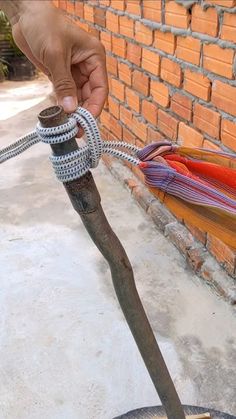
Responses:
[77,163]
[204,179]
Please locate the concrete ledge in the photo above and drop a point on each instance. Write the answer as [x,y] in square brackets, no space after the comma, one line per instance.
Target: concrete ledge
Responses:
[195,253]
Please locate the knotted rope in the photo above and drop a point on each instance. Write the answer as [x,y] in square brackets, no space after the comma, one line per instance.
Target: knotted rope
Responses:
[175,170]
[77,163]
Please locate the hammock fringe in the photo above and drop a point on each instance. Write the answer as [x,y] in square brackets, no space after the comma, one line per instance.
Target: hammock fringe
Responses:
[198,185]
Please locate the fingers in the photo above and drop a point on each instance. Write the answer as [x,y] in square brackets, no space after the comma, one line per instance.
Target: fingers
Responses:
[59,67]
[92,90]
[59,49]
[92,85]
[98,85]
[97,91]
[90,61]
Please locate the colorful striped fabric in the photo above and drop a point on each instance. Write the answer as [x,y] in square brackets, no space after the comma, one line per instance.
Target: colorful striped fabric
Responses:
[204,179]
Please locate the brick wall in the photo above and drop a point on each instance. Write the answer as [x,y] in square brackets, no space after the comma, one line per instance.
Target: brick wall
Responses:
[172,68]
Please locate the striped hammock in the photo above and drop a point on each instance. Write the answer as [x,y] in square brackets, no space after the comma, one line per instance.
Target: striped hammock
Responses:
[202,184]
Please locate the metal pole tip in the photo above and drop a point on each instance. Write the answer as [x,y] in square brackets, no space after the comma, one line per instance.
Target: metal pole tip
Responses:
[52,116]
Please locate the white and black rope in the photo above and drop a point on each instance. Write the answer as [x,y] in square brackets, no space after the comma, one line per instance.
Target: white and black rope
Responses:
[77,163]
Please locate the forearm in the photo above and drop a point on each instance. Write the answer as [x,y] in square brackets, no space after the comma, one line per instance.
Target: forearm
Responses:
[14,9]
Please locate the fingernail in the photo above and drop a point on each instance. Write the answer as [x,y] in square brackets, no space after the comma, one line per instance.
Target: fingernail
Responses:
[69,104]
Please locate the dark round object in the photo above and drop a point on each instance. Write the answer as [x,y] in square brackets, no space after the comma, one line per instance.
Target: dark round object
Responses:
[157,411]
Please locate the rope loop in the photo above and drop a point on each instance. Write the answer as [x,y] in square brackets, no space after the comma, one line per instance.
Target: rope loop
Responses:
[93,138]
[77,163]
[59,134]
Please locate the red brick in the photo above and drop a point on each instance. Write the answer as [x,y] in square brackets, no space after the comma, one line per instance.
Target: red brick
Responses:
[113,137]
[188,49]
[206,120]
[112,22]
[100,17]
[103,132]
[197,84]
[132,99]
[210,145]
[204,21]
[165,41]
[133,7]
[151,61]
[118,89]
[139,143]
[105,38]
[82,25]
[182,106]
[104,3]
[111,63]
[63,4]
[160,93]
[70,7]
[223,97]
[131,183]
[88,13]
[124,72]
[228,134]
[94,32]
[195,257]
[105,118]
[114,108]
[152,10]
[197,233]
[143,33]
[140,82]
[109,83]
[137,172]
[153,135]
[178,235]
[222,253]
[225,3]
[126,116]
[218,60]
[189,137]
[168,124]
[134,53]
[118,4]
[228,30]
[119,46]
[115,127]
[106,104]
[171,72]
[176,15]
[149,111]
[128,136]
[139,128]
[126,26]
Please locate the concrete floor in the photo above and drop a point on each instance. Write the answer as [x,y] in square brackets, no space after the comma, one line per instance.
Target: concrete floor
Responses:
[65,349]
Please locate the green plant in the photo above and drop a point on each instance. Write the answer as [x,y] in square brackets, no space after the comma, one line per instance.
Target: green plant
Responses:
[3,69]
[6,35]
[13,63]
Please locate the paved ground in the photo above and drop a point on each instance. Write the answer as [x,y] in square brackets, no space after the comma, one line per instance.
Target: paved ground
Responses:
[65,349]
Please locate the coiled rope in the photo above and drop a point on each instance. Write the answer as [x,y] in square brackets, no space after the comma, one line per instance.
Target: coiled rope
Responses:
[77,163]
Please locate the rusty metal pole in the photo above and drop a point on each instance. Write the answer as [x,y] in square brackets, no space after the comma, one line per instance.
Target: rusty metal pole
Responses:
[85,199]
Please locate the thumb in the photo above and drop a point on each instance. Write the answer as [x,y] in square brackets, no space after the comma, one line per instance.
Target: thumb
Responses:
[64,86]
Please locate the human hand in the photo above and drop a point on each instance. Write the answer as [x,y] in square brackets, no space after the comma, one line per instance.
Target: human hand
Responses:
[73,60]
